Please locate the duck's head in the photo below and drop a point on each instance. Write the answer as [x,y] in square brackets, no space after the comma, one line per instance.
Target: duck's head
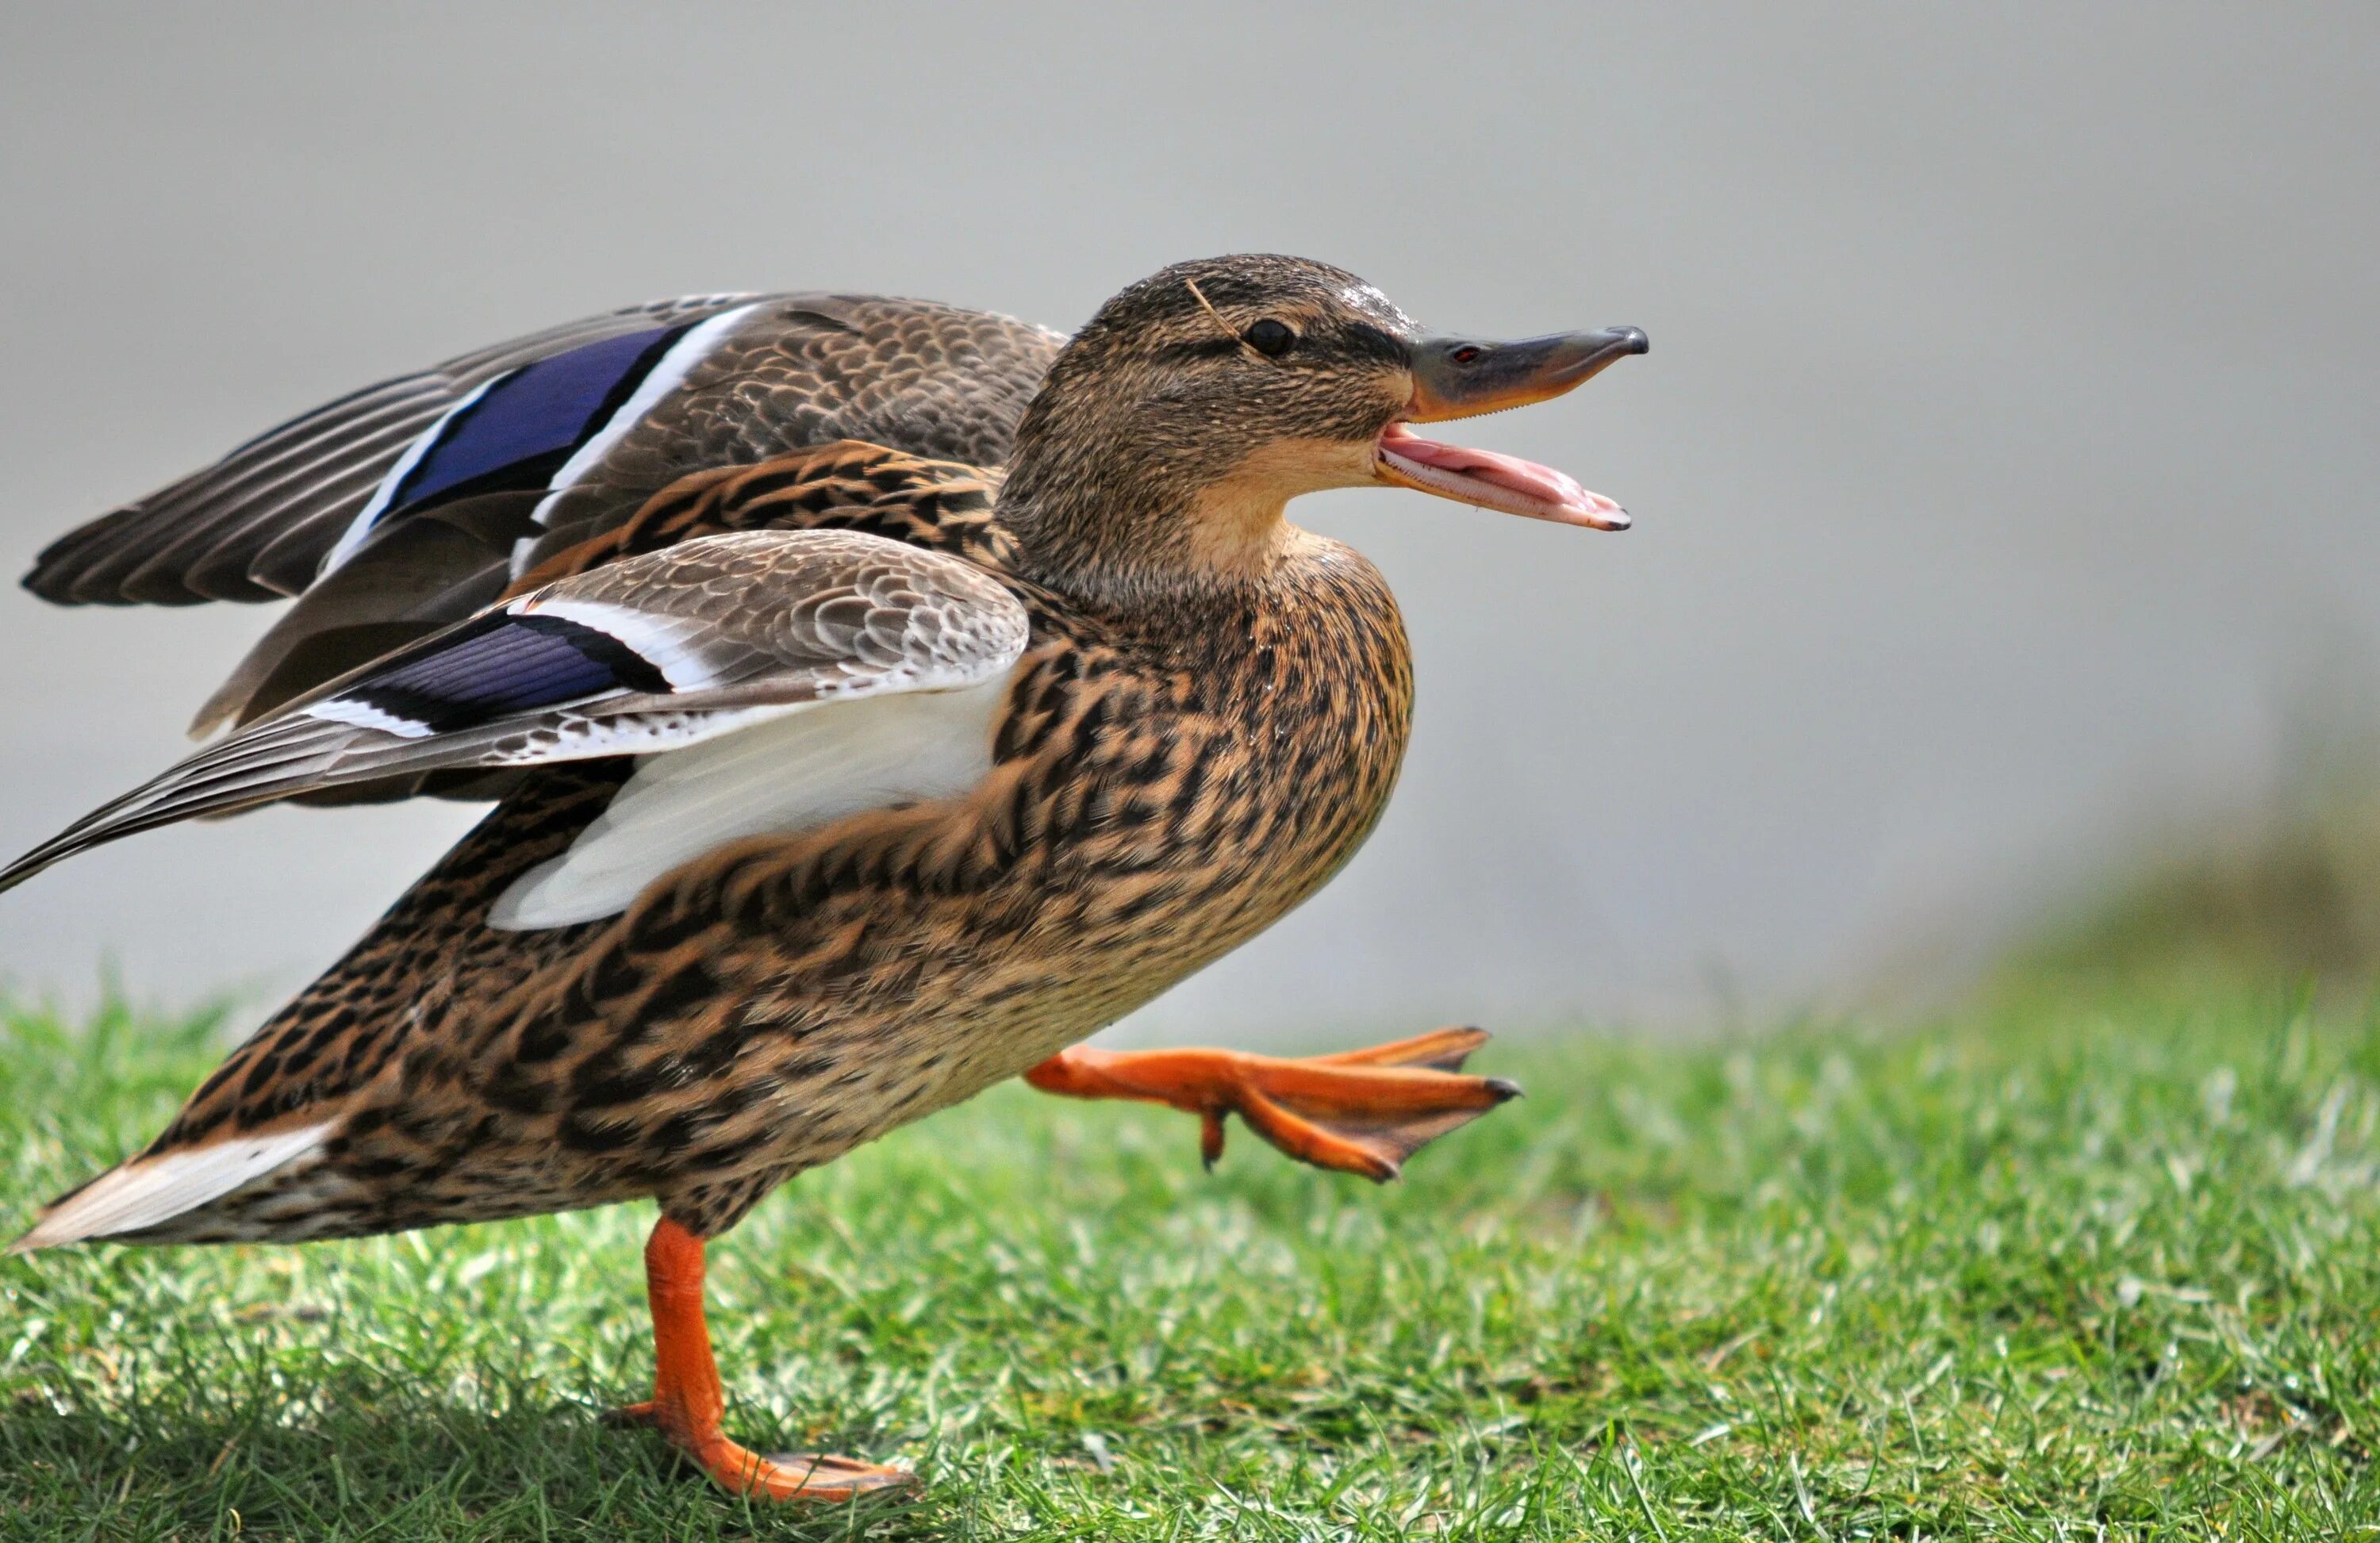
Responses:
[1174,427]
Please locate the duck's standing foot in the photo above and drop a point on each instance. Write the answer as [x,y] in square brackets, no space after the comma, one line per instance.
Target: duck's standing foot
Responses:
[687,1401]
[1361,1111]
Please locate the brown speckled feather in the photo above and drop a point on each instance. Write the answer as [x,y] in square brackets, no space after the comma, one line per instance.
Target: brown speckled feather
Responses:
[850,485]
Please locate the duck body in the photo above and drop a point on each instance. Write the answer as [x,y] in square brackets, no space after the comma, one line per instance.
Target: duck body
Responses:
[785,998]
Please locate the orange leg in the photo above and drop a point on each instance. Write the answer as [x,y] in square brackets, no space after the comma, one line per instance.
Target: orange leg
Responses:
[1362,1111]
[686,1402]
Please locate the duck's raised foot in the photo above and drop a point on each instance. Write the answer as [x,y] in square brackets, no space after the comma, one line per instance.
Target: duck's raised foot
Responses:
[1360,1111]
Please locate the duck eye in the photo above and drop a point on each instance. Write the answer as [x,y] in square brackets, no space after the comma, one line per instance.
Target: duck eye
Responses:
[1269,338]
[1465,353]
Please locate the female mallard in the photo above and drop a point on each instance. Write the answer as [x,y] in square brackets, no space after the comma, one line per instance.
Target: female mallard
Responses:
[839,782]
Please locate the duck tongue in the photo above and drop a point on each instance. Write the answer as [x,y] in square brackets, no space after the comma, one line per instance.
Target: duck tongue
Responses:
[1494,480]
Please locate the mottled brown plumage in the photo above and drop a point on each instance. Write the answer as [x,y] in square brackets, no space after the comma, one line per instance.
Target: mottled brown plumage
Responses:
[1204,723]
[780,1001]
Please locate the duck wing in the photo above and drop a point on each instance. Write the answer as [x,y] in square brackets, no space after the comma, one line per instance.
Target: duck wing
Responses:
[414,503]
[295,489]
[651,655]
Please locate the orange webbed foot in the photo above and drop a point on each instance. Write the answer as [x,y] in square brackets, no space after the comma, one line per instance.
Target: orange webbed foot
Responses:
[1359,1112]
[796,1476]
[805,1475]
[688,1401]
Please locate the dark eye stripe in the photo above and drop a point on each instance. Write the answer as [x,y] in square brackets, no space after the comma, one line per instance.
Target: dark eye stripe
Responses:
[1203,349]
[1359,340]
[1377,343]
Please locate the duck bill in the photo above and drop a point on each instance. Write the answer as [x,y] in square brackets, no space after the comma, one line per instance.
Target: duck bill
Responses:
[1453,378]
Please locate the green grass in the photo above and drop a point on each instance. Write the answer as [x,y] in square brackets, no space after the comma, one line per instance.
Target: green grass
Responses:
[2058,1269]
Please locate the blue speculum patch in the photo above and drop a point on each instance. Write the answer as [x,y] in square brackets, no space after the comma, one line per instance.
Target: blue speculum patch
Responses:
[504,664]
[527,424]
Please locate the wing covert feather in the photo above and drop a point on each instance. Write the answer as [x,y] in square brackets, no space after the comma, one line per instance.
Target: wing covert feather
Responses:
[644,655]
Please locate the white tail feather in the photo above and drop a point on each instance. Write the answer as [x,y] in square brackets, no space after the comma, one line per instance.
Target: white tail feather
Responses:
[147,1191]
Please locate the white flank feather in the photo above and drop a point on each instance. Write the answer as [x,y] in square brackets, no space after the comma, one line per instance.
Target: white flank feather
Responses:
[147,1191]
[795,773]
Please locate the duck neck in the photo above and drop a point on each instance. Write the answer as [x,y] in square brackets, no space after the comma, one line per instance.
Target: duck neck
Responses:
[1126,528]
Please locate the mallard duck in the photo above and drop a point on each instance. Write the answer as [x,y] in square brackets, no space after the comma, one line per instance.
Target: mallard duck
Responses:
[880,698]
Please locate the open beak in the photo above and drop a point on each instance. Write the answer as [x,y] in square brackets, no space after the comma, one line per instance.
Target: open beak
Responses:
[1457,378]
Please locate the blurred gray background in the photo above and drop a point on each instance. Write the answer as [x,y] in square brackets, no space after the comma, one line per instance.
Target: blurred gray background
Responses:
[2002,466]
